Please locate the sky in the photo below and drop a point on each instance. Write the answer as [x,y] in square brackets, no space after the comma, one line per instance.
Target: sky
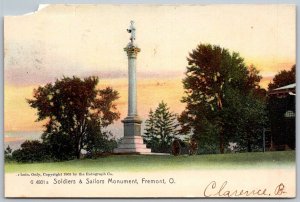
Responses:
[85,40]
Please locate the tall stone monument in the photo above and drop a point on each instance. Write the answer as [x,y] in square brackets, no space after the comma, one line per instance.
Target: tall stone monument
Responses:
[132,141]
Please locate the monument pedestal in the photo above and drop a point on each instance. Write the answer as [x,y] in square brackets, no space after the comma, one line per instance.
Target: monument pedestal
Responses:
[132,145]
[132,141]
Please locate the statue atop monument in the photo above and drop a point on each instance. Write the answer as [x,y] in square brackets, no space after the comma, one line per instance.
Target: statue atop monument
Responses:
[131,30]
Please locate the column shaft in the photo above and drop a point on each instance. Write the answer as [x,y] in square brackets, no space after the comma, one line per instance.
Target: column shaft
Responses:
[132,102]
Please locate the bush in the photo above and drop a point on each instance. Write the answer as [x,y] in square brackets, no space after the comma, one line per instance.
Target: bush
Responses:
[31,151]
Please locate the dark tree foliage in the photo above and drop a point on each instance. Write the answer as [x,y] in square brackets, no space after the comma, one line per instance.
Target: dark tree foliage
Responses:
[98,140]
[161,129]
[245,117]
[283,78]
[8,150]
[74,109]
[8,153]
[217,84]
[31,151]
[149,135]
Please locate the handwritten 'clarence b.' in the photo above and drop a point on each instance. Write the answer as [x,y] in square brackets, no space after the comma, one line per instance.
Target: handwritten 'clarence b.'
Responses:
[212,190]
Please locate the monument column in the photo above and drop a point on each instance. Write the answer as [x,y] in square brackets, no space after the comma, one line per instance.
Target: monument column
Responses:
[132,141]
[132,52]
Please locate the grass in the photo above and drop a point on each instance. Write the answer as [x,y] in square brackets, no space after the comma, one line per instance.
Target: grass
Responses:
[135,163]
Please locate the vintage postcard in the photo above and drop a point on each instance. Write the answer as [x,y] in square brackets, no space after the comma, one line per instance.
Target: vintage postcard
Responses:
[150,101]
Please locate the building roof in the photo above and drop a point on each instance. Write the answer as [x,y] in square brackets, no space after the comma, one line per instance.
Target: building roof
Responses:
[284,90]
[290,86]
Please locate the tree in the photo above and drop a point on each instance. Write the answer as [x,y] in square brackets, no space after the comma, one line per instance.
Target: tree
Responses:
[245,117]
[8,153]
[150,131]
[216,84]
[99,140]
[161,128]
[283,78]
[8,150]
[72,106]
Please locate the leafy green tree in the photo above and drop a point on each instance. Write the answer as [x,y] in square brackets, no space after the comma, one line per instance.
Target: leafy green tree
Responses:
[161,128]
[8,153]
[216,84]
[149,135]
[8,150]
[245,117]
[283,78]
[99,140]
[73,107]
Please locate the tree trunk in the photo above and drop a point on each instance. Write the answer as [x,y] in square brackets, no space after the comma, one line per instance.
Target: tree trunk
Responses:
[78,154]
[220,107]
[78,150]
[79,146]
[222,142]
[249,149]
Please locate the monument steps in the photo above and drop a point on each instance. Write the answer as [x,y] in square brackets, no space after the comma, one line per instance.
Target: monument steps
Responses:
[132,144]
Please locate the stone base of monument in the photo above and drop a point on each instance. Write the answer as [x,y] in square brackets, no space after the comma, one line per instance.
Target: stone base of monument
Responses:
[132,142]
[132,145]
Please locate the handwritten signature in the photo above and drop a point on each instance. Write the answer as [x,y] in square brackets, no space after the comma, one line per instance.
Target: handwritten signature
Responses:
[213,190]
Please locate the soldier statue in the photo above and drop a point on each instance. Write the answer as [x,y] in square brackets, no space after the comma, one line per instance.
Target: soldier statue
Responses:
[131,30]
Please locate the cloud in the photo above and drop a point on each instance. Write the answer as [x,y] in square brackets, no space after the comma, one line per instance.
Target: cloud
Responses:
[27,76]
[31,76]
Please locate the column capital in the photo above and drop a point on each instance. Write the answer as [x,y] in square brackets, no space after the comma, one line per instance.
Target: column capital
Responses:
[132,51]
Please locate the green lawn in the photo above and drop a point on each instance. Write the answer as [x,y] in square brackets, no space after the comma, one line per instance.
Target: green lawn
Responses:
[136,163]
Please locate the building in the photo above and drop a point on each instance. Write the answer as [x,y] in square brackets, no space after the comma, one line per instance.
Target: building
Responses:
[282,113]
